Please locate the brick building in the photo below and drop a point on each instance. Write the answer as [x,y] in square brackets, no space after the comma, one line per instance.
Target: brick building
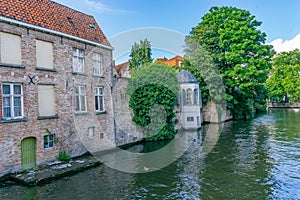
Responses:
[123,70]
[55,84]
[175,61]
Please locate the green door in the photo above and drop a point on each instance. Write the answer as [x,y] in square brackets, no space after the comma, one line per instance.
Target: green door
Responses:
[28,146]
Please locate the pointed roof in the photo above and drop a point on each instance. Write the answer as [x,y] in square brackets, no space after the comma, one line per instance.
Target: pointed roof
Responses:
[120,67]
[54,16]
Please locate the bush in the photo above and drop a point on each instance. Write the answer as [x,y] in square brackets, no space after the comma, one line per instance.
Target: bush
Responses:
[64,156]
[154,90]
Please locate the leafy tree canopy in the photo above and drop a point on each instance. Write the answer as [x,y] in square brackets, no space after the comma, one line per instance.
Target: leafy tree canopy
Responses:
[236,46]
[154,89]
[140,55]
[285,76]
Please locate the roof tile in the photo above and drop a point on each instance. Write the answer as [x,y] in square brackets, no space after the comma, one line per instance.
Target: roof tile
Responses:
[53,16]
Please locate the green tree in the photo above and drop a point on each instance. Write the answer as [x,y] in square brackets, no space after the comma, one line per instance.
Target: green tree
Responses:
[140,55]
[231,37]
[285,80]
[200,63]
[153,90]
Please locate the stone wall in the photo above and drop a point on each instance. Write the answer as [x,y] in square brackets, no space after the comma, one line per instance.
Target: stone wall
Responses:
[66,125]
[215,113]
[127,131]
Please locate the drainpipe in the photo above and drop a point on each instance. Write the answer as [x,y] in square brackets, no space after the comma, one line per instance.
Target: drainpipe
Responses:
[113,99]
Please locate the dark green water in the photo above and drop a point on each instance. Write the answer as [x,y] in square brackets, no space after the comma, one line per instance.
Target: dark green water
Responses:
[258,159]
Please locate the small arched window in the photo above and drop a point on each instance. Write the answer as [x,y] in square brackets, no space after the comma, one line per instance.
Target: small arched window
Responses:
[183,97]
[196,97]
[189,95]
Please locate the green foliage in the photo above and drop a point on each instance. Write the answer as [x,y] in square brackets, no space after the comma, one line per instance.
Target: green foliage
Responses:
[200,63]
[230,36]
[140,55]
[64,156]
[285,76]
[154,90]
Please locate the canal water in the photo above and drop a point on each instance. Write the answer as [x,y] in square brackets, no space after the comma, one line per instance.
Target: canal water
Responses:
[257,159]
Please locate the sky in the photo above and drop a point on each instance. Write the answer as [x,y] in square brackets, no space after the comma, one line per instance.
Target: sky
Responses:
[280,18]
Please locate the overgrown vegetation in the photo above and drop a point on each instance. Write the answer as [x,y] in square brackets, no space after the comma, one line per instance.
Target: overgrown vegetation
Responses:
[237,48]
[64,156]
[154,90]
[285,77]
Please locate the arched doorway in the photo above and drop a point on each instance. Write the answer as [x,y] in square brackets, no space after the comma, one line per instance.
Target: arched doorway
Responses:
[28,149]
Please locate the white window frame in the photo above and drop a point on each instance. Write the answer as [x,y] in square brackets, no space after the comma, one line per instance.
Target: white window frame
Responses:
[99,98]
[47,144]
[78,60]
[78,99]
[189,96]
[11,97]
[97,64]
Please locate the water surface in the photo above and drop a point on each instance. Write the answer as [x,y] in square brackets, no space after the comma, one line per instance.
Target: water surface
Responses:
[257,159]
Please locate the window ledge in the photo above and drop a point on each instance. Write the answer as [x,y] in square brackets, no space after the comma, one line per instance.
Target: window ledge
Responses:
[47,117]
[49,148]
[79,73]
[13,120]
[80,113]
[98,76]
[45,69]
[12,66]
[100,113]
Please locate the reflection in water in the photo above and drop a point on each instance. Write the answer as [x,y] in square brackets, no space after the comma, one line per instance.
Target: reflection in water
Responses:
[257,159]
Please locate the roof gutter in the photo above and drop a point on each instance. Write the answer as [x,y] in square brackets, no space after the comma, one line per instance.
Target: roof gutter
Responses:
[12,21]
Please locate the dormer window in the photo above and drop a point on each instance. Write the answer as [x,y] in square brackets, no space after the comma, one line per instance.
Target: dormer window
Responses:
[92,25]
[70,20]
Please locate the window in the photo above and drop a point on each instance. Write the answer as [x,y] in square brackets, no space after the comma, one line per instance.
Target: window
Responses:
[48,141]
[97,62]
[190,119]
[189,94]
[78,60]
[196,97]
[46,100]
[10,49]
[80,99]
[91,131]
[99,99]
[12,101]
[44,54]
[101,135]
[180,63]
[183,97]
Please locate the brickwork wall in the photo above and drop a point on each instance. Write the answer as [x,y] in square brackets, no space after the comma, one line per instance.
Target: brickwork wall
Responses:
[67,127]
[127,131]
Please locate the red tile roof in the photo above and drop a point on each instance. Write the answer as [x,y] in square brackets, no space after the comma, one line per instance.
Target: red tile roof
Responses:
[175,61]
[119,68]
[53,16]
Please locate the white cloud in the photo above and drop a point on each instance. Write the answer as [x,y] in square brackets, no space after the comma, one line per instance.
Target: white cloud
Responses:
[287,45]
[98,7]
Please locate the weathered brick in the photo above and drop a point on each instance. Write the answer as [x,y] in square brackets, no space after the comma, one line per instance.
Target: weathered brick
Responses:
[73,129]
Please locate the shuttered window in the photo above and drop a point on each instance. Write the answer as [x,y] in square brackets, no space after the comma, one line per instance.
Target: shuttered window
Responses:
[10,49]
[46,100]
[44,54]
